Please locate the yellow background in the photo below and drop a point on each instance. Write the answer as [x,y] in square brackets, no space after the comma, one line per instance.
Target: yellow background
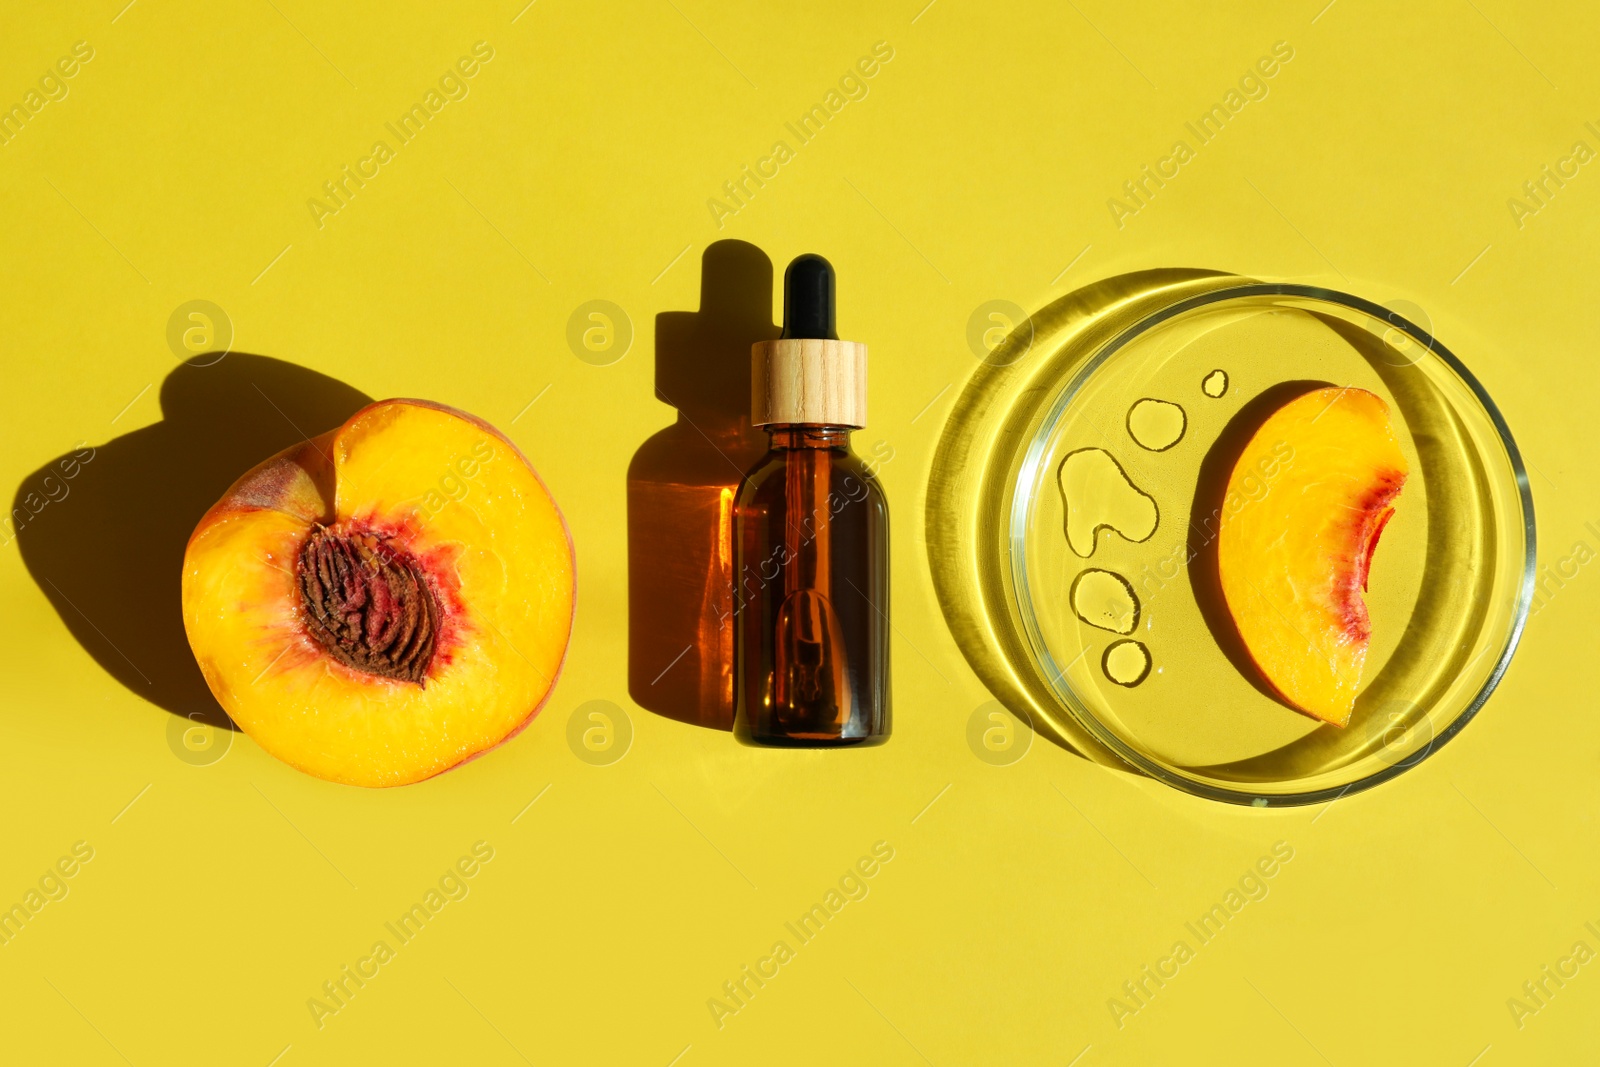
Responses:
[977,168]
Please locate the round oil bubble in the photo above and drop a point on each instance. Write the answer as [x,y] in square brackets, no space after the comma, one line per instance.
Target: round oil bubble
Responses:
[1105,599]
[1215,384]
[1156,425]
[1126,662]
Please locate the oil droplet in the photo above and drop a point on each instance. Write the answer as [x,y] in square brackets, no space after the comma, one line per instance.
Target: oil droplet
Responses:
[1106,600]
[1156,424]
[1215,384]
[1126,662]
[1099,496]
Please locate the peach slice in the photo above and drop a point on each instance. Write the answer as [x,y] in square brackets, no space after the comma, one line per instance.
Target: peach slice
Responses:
[1313,489]
[386,601]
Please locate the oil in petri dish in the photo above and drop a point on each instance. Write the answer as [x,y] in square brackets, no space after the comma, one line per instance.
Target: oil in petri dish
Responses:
[1126,662]
[1156,425]
[1105,600]
[1099,495]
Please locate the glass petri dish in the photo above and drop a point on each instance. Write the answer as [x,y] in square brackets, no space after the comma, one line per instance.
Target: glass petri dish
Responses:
[1108,631]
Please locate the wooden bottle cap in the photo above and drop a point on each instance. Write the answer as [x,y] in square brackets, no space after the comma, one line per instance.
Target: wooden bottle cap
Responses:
[812,380]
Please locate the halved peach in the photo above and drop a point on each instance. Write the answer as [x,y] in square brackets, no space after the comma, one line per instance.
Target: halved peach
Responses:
[386,601]
[1308,498]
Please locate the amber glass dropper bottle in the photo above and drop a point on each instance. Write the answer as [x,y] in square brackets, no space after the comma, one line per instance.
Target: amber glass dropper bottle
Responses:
[811,540]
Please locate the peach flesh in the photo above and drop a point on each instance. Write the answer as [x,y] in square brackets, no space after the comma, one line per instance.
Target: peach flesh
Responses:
[1294,561]
[367,627]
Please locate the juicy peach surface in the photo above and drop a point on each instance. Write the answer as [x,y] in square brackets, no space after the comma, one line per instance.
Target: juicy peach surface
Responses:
[386,601]
[1293,559]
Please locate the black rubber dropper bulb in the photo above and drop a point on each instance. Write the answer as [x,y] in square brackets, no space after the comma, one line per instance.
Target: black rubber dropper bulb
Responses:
[808,299]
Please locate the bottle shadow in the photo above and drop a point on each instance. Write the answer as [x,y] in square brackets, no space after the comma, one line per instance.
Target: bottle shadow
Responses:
[681,485]
[102,529]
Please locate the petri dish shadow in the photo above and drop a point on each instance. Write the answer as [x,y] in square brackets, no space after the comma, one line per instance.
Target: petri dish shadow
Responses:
[1205,514]
[102,529]
[966,503]
[681,485]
